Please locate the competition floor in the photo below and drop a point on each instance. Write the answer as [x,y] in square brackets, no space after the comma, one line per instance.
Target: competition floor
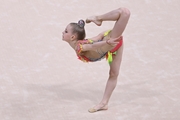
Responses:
[42,79]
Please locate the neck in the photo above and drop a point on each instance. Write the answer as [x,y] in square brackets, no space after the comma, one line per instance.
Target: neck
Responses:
[73,44]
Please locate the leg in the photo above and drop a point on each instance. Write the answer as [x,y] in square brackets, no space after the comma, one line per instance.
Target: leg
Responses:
[121,16]
[113,75]
[111,83]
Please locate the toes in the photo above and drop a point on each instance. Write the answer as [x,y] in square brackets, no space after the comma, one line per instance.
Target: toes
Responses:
[88,21]
[92,110]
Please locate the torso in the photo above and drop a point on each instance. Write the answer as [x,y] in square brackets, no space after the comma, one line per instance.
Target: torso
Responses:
[100,51]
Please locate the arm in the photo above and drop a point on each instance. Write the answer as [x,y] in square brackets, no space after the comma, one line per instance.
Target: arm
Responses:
[96,45]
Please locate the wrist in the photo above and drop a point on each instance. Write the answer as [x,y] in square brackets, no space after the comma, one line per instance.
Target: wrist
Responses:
[107,41]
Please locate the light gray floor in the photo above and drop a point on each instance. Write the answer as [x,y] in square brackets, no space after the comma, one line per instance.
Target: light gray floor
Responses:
[42,79]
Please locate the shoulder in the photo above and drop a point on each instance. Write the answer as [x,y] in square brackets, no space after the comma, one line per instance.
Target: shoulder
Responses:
[80,45]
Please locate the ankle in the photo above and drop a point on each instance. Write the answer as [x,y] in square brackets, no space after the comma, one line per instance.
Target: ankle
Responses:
[104,103]
[98,18]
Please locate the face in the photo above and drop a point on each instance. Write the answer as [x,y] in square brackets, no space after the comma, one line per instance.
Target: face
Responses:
[67,34]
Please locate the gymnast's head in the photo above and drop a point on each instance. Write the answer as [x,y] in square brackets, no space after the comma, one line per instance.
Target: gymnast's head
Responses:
[74,31]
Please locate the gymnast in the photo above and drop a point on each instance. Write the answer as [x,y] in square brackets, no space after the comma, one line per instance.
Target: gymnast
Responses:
[107,44]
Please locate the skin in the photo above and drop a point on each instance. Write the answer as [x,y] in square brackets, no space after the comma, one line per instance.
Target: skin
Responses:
[89,50]
[121,16]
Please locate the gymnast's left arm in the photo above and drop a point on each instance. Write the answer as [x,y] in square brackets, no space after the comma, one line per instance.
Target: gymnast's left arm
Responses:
[96,45]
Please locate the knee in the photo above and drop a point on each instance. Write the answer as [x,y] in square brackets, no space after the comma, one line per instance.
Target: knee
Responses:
[113,74]
[125,11]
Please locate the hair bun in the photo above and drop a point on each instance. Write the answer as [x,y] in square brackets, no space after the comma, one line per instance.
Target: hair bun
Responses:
[81,23]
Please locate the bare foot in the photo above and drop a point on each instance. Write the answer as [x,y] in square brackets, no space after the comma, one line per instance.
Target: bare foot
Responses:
[95,20]
[99,107]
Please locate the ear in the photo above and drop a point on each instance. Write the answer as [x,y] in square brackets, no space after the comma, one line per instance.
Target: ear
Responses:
[73,37]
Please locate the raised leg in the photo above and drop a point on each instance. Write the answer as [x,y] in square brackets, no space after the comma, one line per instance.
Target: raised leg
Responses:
[120,15]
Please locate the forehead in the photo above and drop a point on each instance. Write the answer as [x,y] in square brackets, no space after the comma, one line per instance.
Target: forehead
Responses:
[69,27]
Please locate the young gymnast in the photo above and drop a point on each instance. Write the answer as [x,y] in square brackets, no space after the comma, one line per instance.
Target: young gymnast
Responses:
[108,44]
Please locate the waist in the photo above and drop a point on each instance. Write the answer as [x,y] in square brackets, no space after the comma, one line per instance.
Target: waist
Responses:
[103,55]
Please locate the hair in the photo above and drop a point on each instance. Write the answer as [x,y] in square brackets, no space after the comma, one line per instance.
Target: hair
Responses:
[78,29]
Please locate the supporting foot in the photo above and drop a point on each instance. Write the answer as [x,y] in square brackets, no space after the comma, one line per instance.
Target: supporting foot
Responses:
[97,108]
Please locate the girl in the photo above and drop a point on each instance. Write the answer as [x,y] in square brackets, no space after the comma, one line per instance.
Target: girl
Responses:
[107,44]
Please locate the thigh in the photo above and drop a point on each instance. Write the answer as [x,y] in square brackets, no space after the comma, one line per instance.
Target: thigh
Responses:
[115,65]
[120,24]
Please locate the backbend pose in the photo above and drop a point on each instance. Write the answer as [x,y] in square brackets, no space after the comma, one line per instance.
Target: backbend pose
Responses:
[108,44]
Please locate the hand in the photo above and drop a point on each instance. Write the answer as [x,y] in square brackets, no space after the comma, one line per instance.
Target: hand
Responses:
[114,41]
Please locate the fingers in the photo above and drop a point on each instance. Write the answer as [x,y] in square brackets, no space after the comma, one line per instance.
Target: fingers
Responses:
[115,39]
[113,42]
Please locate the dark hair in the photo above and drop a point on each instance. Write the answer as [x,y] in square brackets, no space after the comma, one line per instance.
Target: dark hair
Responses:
[78,28]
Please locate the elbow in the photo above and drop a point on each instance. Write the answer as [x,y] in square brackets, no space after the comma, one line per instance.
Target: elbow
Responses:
[90,47]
